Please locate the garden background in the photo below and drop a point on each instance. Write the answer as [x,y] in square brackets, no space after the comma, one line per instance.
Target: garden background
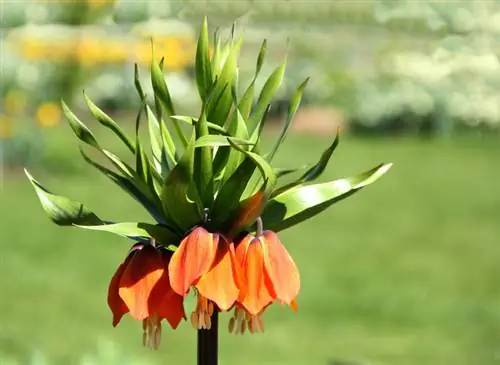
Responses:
[405,272]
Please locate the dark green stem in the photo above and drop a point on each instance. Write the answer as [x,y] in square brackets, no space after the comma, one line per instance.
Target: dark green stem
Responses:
[208,342]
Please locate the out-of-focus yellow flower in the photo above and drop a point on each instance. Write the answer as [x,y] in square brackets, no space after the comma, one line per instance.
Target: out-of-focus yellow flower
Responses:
[97,4]
[142,53]
[48,114]
[88,51]
[32,49]
[14,102]
[6,129]
[60,51]
[114,51]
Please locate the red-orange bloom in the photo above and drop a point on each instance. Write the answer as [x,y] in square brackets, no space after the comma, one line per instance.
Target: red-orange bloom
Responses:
[205,261]
[269,274]
[141,287]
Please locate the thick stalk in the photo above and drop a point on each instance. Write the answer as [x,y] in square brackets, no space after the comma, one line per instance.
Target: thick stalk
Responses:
[208,342]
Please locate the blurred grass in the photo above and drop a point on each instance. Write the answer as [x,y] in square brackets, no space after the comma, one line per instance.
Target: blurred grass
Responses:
[404,272]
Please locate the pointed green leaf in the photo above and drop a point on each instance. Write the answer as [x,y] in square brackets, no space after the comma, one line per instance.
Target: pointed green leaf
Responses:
[246,102]
[212,127]
[314,171]
[228,159]
[267,94]
[303,202]
[179,196]
[219,106]
[61,210]
[257,132]
[142,166]
[137,83]
[132,187]
[216,58]
[81,130]
[261,57]
[282,172]
[202,64]
[161,234]
[161,142]
[163,96]
[86,136]
[212,140]
[228,197]
[202,174]
[108,122]
[292,109]
[267,172]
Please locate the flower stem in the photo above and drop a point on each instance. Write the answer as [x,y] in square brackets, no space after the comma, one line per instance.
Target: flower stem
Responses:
[260,227]
[208,342]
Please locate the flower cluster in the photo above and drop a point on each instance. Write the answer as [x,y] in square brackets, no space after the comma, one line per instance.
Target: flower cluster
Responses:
[245,275]
[209,195]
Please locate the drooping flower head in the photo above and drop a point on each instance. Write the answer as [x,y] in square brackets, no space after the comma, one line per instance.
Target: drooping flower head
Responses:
[205,262]
[141,287]
[269,274]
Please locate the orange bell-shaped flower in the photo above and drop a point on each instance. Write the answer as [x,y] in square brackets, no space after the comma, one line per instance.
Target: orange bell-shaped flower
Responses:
[268,274]
[205,261]
[141,287]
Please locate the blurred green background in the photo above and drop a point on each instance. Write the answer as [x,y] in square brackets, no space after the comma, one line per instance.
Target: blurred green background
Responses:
[405,272]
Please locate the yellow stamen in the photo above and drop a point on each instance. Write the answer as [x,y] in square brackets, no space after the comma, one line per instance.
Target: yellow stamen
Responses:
[201,317]
[151,336]
[242,320]
[230,326]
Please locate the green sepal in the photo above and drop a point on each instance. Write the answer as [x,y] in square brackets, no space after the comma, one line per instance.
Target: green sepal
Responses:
[304,202]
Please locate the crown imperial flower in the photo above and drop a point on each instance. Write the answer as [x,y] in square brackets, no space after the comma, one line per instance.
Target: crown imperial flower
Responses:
[208,194]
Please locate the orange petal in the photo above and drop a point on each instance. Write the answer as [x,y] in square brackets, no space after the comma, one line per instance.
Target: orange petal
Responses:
[192,259]
[250,209]
[115,303]
[242,247]
[140,277]
[280,267]
[219,283]
[257,295]
[294,306]
[170,305]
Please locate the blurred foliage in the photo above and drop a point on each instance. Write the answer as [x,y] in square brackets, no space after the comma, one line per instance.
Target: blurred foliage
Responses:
[450,84]
[106,353]
[54,49]
[392,66]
